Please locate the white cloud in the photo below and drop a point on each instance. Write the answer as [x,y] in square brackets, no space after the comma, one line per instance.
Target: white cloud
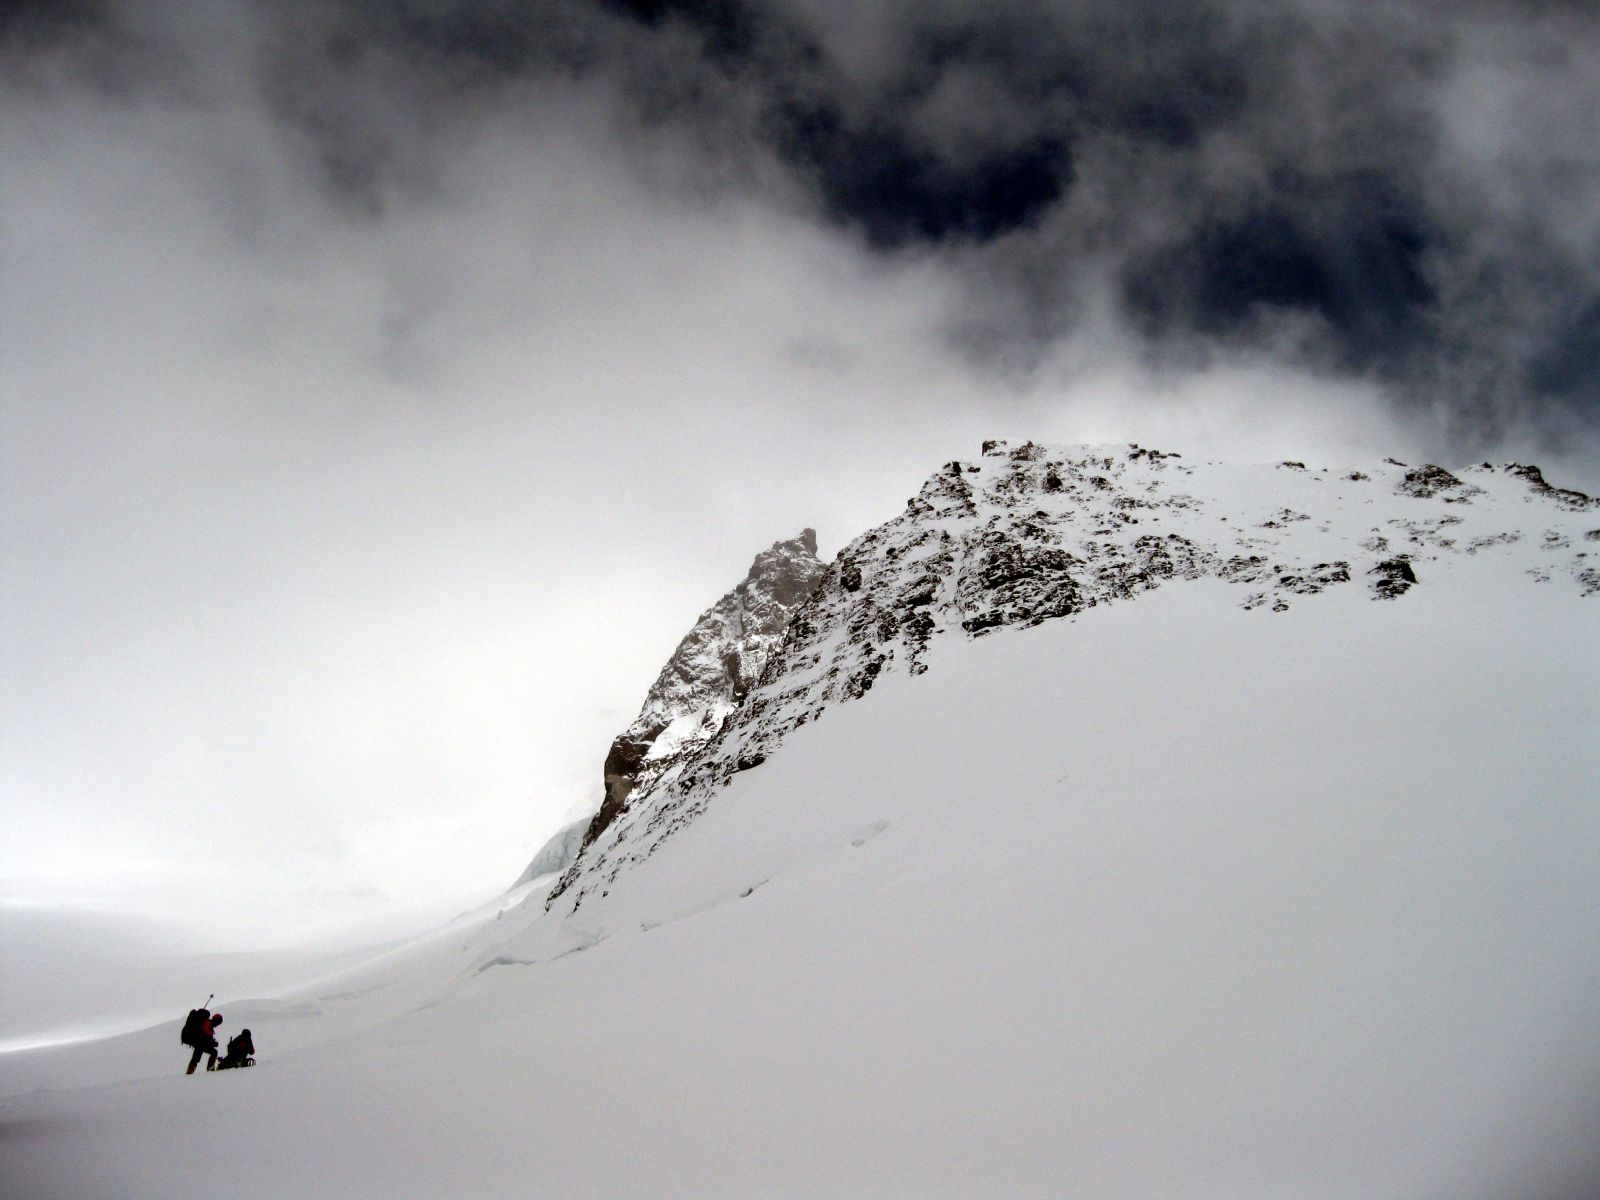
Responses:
[338,543]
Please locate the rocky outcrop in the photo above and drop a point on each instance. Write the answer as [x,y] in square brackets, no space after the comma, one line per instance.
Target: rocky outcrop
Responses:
[1572,501]
[1429,481]
[709,674]
[1391,578]
[1028,534]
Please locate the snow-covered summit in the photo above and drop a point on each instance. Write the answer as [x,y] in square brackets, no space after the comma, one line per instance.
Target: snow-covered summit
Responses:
[1030,533]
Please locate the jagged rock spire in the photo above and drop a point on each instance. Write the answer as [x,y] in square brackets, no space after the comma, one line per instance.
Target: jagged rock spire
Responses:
[710,673]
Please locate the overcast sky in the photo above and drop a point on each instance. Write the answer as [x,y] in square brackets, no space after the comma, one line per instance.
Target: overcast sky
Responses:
[388,385]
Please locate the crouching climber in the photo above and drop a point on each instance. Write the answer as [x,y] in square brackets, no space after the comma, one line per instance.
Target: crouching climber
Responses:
[241,1052]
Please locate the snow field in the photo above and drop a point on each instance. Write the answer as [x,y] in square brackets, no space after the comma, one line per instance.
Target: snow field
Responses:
[1169,900]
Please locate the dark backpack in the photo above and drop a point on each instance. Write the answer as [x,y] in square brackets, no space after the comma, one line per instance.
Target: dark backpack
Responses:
[192,1026]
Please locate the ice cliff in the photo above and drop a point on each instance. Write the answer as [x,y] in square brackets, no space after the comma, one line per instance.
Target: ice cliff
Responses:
[557,854]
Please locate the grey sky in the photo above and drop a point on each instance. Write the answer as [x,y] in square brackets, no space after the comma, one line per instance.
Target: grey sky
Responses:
[387,387]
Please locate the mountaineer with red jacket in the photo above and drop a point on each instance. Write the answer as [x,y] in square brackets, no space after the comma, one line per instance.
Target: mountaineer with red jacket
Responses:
[199,1031]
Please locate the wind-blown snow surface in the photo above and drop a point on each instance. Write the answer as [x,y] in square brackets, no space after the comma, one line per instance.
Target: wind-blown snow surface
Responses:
[1167,899]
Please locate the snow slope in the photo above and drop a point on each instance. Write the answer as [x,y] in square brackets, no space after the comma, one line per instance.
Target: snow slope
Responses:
[1167,898]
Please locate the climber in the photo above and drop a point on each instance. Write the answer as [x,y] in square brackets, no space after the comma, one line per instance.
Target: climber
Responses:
[204,1039]
[241,1052]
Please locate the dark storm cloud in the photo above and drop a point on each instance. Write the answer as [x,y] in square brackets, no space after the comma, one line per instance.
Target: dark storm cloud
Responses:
[1393,192]
[1405,194]
[1305,180]
[1400,193]
[1346,248]
[47,20]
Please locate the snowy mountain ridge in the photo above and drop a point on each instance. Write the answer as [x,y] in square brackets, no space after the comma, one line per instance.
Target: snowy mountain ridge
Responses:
[1033,533]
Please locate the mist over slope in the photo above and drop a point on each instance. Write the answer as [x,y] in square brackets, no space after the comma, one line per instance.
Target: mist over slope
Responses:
[1129,873]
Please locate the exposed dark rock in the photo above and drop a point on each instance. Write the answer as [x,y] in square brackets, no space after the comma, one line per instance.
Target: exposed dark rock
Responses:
[1567,498]
[1393,577]
[1506,538]
[861,682]
[1429,481]
[1314,580]
[1008,578]
[1240,569]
